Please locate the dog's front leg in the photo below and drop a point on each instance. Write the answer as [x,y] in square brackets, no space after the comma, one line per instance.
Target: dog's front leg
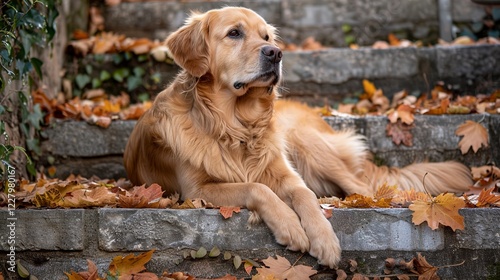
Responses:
[323,243]
[281,219]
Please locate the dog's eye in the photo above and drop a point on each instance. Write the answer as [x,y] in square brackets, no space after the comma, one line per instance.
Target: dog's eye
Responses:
[266,37]
[234,33]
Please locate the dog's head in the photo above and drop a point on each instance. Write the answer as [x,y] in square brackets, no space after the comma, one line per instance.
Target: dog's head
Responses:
[234,46]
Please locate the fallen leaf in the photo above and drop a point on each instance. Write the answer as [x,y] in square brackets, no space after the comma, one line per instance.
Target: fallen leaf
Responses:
[425,270]
[142,197]
[400,132]
[95,197]
[90,274]
[487,198]
[474,135]
[280,268]
[227,212]
[442,209]
[130,264]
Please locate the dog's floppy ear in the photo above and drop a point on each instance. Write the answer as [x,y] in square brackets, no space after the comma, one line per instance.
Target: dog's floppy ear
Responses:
[189,47]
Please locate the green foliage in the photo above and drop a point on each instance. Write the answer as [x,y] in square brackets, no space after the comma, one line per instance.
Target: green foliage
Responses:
[115,73]
[25,24]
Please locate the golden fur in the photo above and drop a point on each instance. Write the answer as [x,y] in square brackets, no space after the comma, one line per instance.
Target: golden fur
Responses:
[214,134]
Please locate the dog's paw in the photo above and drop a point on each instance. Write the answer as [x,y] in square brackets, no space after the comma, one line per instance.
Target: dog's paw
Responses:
[292,235]
[325,246]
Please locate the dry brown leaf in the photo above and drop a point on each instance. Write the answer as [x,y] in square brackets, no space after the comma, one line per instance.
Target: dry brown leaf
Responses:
[141,197]
[474,135]
[442,209]
[95,197]
[130,264]
[227,212]
[487,198]
[386,192]
[280,268]
[425,270]
[400,132]
[90,274]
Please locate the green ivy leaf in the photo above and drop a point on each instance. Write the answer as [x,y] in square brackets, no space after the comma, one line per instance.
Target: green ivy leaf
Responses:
[104,76]
[139,71]
[82,80]
[133,82]
[96,83]
[36,117]
[37,64]
[120,74]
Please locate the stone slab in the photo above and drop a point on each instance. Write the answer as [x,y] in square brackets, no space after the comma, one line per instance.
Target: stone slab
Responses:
[43,229]
[384,229]
[357,229]
[80,139]
[145,229]
[480,232]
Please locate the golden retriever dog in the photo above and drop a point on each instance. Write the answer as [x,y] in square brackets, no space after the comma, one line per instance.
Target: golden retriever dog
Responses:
[218,133]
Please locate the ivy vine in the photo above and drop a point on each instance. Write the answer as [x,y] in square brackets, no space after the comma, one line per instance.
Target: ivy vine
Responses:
[24,24]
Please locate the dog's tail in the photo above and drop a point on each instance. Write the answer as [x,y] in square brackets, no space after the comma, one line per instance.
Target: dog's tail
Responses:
[434,178]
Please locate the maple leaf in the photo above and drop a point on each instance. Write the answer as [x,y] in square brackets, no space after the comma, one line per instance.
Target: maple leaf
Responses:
[404,197]
[474,136]
[130,264]
[280,268]
[358,201]
[487,198]
[90,274]
[442,209]
[227,212]
[425,270]
[141,197]
[385,192]
[96,197]
[400,132]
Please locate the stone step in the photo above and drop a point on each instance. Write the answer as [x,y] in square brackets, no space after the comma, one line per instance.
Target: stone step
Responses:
[337,73]
[299,19]
[62,240]
[80,148]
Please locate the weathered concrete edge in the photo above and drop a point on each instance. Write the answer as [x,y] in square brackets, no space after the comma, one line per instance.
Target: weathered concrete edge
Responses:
[145,229]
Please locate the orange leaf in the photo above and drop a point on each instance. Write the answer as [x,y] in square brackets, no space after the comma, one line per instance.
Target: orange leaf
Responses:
[441,210]
[358,201]
[385,192]
[130,264]
[227,212]
[91,274]
[97,197]
[474,135]
[369,88]
[141,197]
[487,198]
[281,268]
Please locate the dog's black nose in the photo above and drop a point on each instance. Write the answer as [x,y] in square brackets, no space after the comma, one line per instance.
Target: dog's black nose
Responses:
[274,54]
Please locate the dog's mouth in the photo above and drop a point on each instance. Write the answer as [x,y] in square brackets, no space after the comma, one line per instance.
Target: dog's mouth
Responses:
[266,79]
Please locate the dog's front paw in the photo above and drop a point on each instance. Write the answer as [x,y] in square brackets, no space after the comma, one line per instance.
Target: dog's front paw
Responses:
[325,246]
[292,235]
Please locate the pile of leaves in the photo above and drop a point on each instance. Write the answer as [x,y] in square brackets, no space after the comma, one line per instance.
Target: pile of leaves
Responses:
[279,268]
[96,108]
[403,107]
[310,44]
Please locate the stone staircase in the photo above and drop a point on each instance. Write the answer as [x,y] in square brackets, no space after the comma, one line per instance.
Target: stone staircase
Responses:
[53,241]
